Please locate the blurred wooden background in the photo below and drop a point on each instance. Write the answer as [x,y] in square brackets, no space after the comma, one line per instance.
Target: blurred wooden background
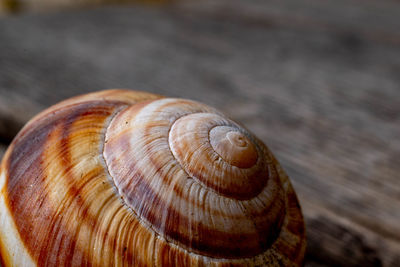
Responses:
[317,81]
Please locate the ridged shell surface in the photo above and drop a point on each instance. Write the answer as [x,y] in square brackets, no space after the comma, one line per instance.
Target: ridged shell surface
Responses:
[124,178]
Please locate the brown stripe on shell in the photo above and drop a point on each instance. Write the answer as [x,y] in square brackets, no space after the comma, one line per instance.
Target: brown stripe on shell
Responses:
[3,253]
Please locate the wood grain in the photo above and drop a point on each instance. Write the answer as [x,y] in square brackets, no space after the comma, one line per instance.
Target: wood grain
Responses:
[317,81]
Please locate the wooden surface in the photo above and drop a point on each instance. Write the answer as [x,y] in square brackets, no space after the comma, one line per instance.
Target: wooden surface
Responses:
[317,81]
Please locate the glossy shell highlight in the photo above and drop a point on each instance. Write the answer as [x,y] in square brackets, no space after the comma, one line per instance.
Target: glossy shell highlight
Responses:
[124,178]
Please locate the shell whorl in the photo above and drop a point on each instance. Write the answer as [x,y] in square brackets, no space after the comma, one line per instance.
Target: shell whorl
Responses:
[129,178]
[168,172]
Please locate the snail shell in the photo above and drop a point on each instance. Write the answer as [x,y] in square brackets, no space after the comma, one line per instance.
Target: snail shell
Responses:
[123,178]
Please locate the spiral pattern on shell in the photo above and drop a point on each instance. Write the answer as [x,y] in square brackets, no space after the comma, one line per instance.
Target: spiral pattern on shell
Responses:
[123,178]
